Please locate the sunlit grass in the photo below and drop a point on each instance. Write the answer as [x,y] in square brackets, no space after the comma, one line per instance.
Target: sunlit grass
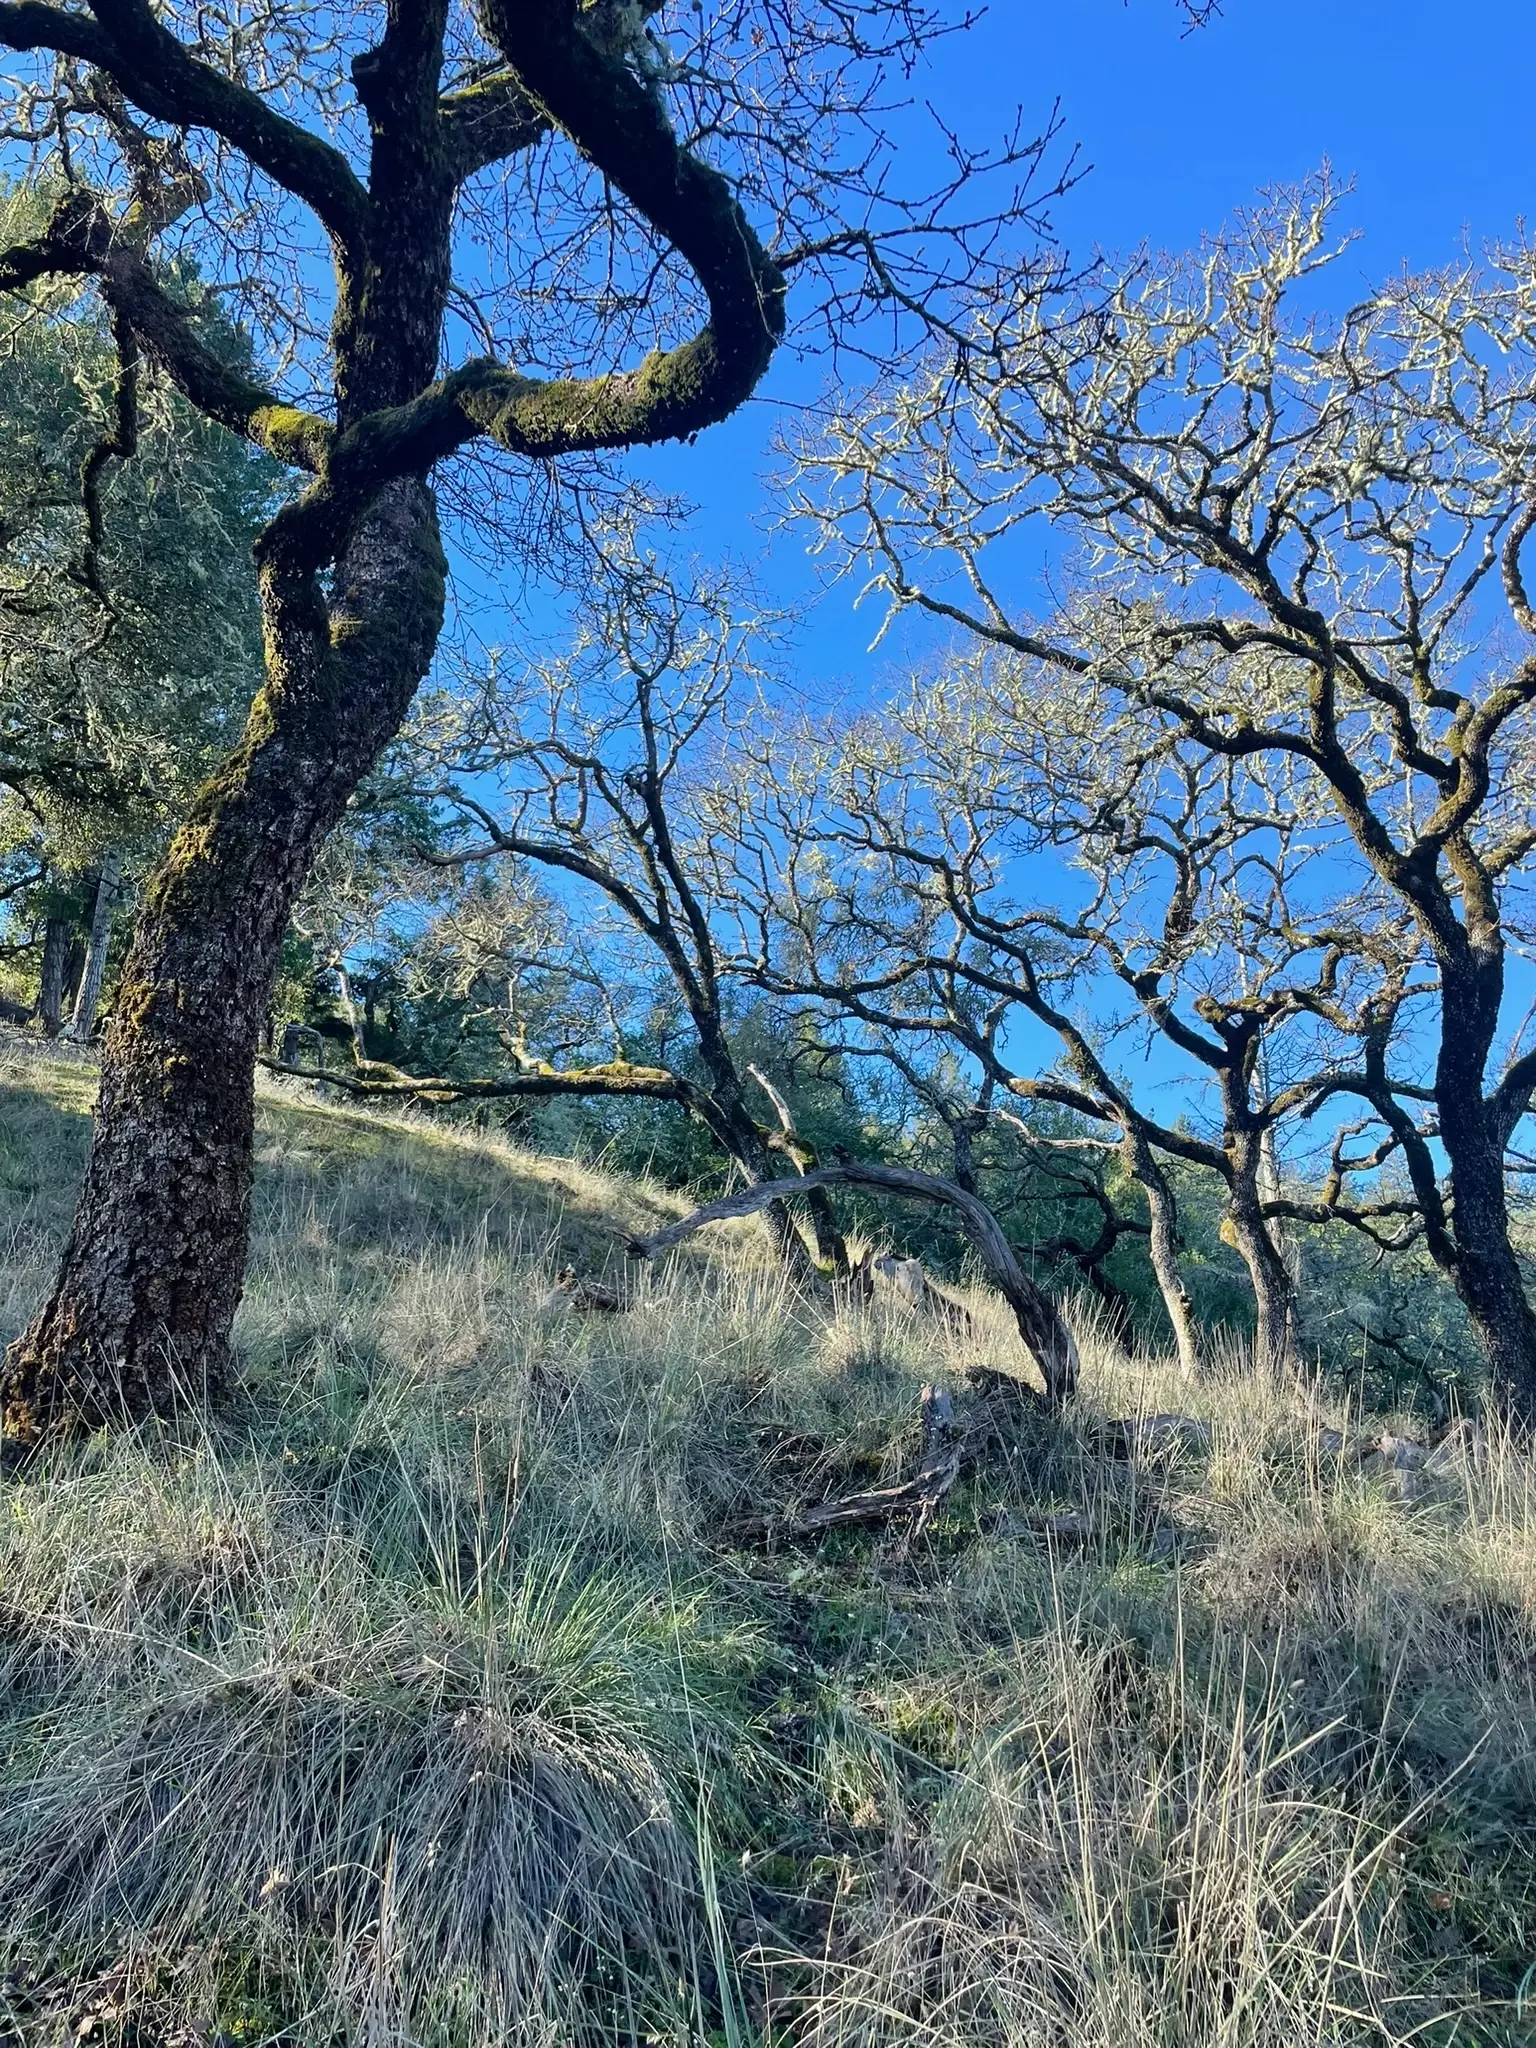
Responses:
[436,1696]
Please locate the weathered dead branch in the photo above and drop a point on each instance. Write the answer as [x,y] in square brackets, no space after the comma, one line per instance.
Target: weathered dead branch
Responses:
[1046,1336]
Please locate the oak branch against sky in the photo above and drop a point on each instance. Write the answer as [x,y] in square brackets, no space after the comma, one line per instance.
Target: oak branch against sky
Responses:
[1303,547]
[544,230]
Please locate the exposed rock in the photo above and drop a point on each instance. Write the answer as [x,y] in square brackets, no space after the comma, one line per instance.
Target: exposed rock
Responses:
[1452,1453]
[1396,1453]
[1165,1543]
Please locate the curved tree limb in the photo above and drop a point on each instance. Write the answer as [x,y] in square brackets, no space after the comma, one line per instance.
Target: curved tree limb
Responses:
[162,77]
[487,120]
[569,82]
[831,1246]
[1046,1336]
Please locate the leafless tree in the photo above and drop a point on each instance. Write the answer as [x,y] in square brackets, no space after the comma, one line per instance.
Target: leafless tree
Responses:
[1300,539]
[592,766]
[1001,851]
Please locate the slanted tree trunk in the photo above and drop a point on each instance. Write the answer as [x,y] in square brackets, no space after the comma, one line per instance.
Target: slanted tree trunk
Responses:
[831,1246]
[731,1124]
[751,1154]
[1117,1307]
[139,1318]
[962,1137]
[1163,1244]
[1247,1230]
[83,1022]
[74,967]
[50,996]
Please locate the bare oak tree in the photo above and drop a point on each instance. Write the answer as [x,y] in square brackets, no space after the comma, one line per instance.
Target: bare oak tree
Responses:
[1301,539]
[594,760]
[1003,849]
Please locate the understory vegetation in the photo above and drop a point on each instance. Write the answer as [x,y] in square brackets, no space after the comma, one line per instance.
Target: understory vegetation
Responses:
[452,1687]
[767,1035]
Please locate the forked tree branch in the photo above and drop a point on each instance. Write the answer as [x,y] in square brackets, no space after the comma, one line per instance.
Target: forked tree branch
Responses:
[567,81]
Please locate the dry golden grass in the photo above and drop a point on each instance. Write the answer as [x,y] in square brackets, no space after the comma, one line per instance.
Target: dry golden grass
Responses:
[432,1699]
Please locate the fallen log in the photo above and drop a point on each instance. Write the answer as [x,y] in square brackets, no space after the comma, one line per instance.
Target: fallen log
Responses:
[951,1444]
[943,1453]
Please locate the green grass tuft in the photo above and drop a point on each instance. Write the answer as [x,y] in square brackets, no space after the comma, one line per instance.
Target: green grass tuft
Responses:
[435,1697]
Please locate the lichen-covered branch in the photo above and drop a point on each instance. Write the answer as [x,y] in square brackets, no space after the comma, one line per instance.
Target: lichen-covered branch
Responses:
[376,1081]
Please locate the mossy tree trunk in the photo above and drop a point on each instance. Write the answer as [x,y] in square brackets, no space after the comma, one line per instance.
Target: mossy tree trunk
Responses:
[139,1318]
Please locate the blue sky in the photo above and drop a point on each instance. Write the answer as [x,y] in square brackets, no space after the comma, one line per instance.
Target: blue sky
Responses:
[1424,107]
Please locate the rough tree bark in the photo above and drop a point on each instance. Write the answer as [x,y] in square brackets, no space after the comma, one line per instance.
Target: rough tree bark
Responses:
[1247,1229]
[1487,1273]
[831,1246]
[738,1133]
[139,1318]
[50,997]
[1479,1254]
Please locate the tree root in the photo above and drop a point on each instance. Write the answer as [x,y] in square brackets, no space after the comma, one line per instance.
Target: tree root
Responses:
[950,1444]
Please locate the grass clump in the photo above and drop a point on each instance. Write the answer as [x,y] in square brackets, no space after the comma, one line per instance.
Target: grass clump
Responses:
[437,1697]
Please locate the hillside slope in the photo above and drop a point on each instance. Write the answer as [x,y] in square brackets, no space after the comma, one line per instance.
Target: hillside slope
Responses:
[451,1691]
